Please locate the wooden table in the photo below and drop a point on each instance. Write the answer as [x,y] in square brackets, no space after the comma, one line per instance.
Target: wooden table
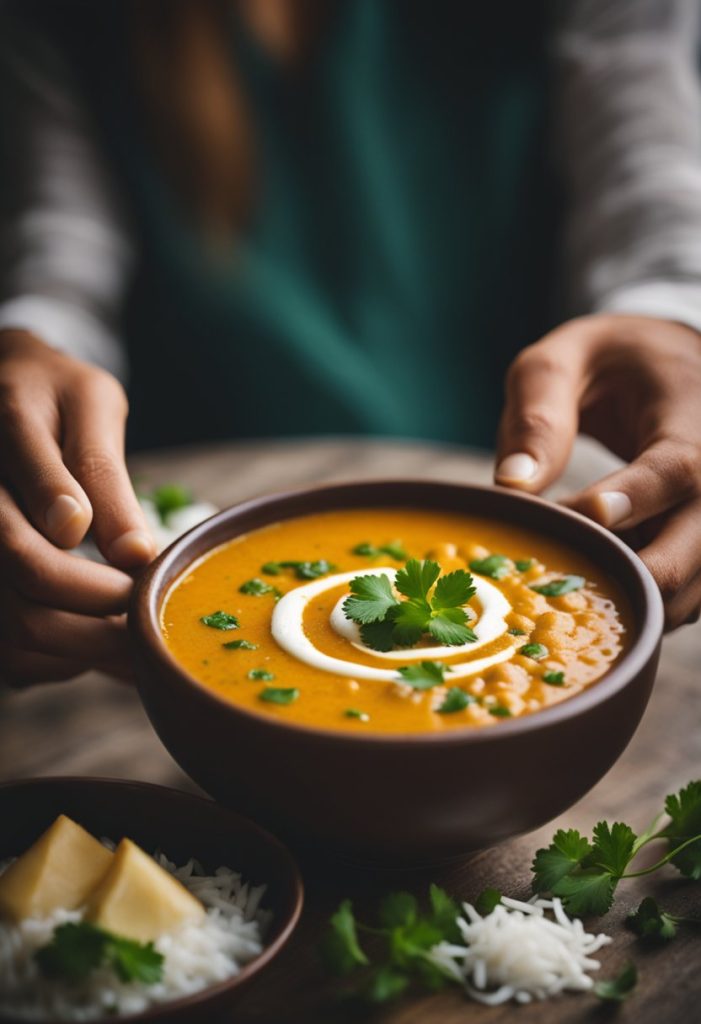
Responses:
[95,727]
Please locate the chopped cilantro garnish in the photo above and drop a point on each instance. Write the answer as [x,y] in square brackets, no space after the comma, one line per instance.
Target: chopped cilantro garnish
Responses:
[430,607]
[425,675]
[220,620]
[515,631]
[279,695]
[78,948]
[556,588]
[257,588]
[499,711]
[523,564]
[302,570]
[394,548]
[362,716]
[619,988]
[240,645]
[261,673]
[495,566]
[535,651]
[554,678]
[455,700]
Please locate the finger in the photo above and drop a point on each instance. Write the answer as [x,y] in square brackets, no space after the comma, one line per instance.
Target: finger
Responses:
[23,668]
[34,627]
[674,559]
[665,475]
[541,414]
[31,462]
[41,572]
[94,415]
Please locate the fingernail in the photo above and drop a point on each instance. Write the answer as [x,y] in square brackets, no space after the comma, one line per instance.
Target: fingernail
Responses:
[62,512]
[133,548]
[518,468]
[615,506]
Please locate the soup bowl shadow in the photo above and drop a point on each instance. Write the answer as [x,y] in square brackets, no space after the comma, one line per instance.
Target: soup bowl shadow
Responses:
[398,800]
[181,826]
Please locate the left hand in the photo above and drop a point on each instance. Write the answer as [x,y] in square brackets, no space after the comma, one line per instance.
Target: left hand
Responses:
[633,383]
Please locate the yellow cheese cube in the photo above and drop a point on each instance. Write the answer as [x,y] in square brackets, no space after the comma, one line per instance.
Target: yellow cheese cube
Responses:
[60,870]
[138,899]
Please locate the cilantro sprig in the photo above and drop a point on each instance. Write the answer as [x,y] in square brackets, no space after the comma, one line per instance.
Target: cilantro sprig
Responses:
[431,606]
[585,874]
[77,949]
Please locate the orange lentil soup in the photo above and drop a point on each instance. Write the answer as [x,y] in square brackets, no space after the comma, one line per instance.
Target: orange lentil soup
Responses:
[543,624]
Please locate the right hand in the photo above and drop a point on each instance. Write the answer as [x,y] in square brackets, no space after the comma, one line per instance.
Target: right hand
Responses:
[62,469]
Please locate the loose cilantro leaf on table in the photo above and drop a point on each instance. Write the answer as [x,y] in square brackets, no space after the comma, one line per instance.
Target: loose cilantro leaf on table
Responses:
[684,808]
[340,951]
[279,694]
[455,700]
[240,645]
[567,851]
[257,588]
[425,675]
[649,921]
[431,607]
[556,588]
[169,498]
[619,988]
[220,620]
[494,566]
[78,948]
[487,900]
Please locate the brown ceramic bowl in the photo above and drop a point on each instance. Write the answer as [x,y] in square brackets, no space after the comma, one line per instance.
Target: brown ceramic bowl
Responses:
[180,825]
[398,800]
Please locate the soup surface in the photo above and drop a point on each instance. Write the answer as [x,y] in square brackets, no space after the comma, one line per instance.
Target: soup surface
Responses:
[490,622]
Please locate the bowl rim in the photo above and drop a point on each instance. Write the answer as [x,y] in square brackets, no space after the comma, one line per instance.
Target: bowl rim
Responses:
[249,970]
[146,600]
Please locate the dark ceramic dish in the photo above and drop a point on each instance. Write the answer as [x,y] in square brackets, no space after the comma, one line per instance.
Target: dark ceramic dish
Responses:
[180,825]
[399,800]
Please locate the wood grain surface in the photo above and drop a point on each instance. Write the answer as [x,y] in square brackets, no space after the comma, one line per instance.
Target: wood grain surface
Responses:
[93,726]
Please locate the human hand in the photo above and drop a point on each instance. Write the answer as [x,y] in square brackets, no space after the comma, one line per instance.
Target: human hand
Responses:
[62,469]
[633,383]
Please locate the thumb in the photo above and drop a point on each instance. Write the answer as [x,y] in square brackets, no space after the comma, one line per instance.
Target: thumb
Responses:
[541,415]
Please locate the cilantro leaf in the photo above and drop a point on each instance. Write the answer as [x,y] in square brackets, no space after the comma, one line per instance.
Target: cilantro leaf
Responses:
[455,700]
[487,900]
[649,921]
[423,676]
[535,651]
[554,678]
[515,631]
[452,590]
[240,645]
[500,711]
[410,620]
[371,599]
[366,549]
[556,588]
[261,673]
[619,988]
[613,846]
[378,635]
[398,908]
[279,694]
[362,716]
[585,892]
[395,549]
[449,626]
[220,620]
[257,588]
[384,983]
[168,498]
[445,913]
[134,961]
[77,948]
[416,578]
[494,566]
[567,850]
[74,951]
[523,564]
[684,808]
[340,948]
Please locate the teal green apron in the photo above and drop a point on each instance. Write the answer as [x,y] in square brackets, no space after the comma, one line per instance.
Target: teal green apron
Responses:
[400,252]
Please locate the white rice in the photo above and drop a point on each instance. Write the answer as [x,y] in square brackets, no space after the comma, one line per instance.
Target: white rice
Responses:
[197,955]
[519,953]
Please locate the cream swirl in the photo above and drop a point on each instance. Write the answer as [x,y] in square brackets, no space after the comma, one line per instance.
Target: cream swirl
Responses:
[288,631]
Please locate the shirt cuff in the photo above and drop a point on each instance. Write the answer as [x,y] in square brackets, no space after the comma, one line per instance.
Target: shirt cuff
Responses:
[679,301]
[68,328]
